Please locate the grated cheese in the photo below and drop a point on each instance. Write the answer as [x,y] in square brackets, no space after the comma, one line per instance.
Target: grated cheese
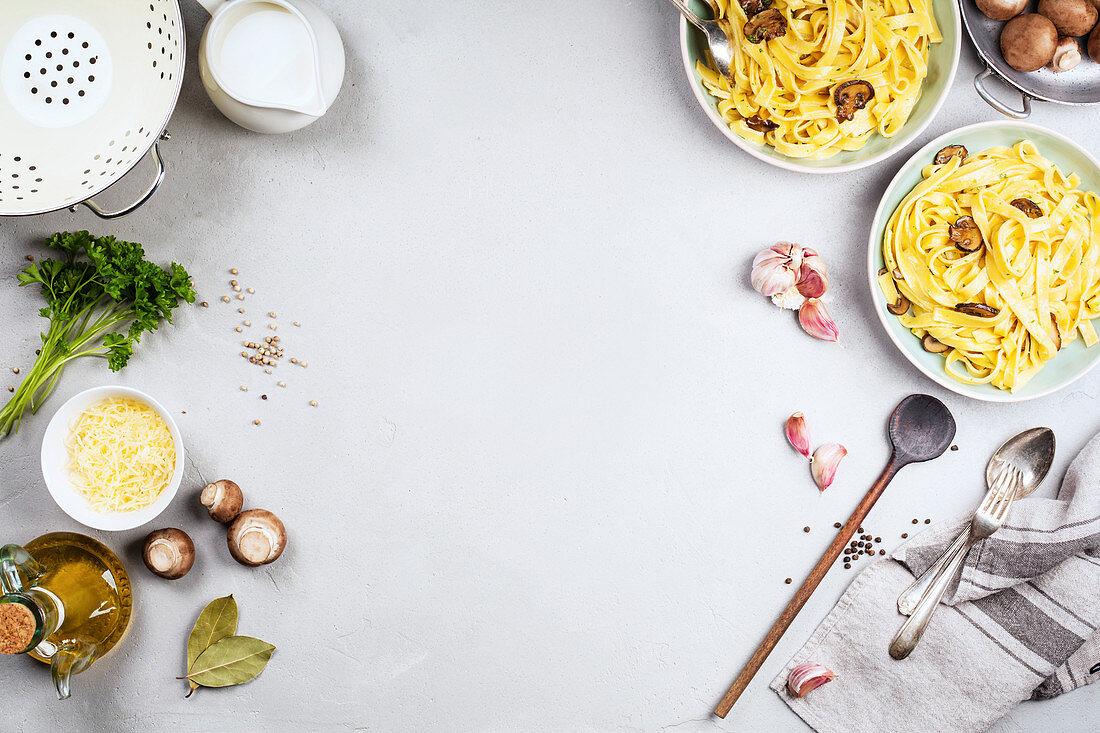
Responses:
[121,455]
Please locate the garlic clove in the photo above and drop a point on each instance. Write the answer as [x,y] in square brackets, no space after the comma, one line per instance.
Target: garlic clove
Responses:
[808,676]
[797,434]
[824,463]
[815,320]
[813,276]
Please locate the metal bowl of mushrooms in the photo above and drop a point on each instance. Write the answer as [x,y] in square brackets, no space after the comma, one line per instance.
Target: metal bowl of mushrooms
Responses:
[1047,50]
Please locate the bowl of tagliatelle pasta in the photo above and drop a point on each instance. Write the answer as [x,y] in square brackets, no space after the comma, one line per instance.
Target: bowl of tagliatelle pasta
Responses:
[825,86]
[112,458]
[984,261]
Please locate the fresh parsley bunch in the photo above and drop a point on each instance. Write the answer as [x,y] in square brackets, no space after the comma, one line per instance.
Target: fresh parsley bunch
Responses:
[101,296]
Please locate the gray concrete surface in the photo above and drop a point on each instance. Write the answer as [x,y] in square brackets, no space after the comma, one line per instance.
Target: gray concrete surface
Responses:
[545,487]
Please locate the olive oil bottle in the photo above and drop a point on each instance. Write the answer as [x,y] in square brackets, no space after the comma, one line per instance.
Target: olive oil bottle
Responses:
[67,601]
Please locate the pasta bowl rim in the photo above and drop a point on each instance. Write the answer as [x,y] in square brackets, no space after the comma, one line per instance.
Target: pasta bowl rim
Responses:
[770,156]
[54,459]
[910,346]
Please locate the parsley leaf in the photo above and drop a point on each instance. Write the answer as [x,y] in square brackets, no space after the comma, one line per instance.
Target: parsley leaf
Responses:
[101,296]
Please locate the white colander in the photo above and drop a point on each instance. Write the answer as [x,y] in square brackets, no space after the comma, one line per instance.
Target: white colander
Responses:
[86,89]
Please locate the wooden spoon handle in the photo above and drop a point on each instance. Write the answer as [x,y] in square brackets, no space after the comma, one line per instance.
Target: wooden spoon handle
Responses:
[835,548]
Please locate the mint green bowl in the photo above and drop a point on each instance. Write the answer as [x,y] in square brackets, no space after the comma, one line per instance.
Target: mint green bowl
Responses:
[943,59]
[1074,360]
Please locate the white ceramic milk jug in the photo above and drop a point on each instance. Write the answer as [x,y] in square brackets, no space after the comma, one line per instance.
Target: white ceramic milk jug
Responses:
[270,65]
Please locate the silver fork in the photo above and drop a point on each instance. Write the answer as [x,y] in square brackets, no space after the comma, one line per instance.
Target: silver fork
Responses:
[988,518]
[910,597]
[717,38]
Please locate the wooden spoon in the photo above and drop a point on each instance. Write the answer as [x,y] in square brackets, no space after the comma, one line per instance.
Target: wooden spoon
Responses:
[921,428]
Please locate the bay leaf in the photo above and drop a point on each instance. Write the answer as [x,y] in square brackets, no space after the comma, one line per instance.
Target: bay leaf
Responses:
[232,660]
[217,621]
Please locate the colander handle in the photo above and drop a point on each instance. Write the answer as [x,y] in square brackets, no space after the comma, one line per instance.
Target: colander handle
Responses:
[1019,114]
[102,213]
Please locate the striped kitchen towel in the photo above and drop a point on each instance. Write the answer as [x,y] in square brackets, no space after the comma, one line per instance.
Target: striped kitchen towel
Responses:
[1021,623]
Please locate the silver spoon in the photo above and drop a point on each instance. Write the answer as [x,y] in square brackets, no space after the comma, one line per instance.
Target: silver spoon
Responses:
[717,38]
[1031,451]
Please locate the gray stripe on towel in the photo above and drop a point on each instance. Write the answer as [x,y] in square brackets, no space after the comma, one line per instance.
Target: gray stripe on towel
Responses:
[1059,528]
[1050,687]
[1033,629]
[999,645]
[1026,560]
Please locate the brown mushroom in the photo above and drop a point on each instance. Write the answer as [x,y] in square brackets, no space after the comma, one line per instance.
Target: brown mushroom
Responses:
[850,96]
[1067,55]
[256,537]
[767,25]
[965,234]
[932,345]
[169,553]
[881,271]
[981,310]
[753,7]
[1001,9]
[223,499]
[1072,18]
[1094,44]
[1029,207]
[951,151]
[758,123]
[897,275]
[1028,42]
[899,307]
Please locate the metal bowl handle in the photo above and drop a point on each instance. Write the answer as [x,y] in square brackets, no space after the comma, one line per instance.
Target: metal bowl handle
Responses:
[154,153]
[1019,114]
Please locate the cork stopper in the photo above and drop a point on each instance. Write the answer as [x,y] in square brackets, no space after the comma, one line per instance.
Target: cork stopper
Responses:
[17,627]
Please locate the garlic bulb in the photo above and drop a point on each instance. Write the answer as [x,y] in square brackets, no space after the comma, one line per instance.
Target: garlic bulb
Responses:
[786,268]
[825,462]
[808,676]
[775,270]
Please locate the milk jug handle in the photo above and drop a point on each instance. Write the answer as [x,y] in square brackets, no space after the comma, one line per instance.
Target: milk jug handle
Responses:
[13,560]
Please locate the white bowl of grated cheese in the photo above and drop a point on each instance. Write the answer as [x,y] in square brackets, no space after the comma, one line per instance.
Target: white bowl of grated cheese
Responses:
[112,458]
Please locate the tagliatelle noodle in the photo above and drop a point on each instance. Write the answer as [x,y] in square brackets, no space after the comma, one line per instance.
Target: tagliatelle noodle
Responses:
[790,80]
[122,455]
[1042,275]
